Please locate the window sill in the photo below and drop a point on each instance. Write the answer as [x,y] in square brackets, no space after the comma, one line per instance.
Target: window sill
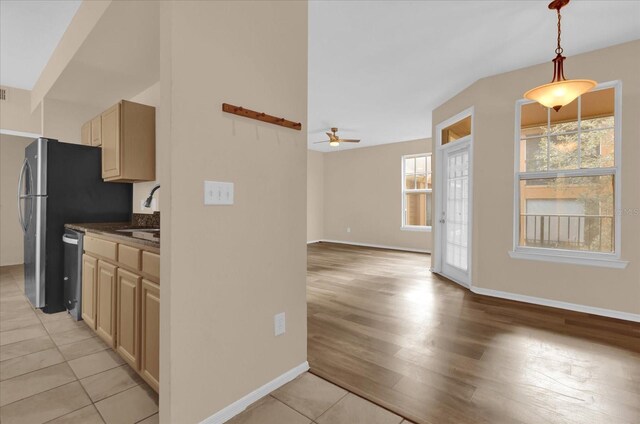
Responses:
[415,228]
[564,258]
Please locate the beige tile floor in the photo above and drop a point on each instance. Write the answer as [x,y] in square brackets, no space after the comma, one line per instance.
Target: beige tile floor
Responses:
[54,369]
[310,399]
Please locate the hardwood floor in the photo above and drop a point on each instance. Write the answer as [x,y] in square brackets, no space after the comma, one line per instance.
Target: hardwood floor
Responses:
[384,327]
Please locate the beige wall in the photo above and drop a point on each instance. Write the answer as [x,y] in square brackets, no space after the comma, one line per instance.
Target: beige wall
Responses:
[83,22]
[63,120]
[230,269]
[494,101]
[362,191]
[11,158]
[315,196]
[16,114]
[151,97]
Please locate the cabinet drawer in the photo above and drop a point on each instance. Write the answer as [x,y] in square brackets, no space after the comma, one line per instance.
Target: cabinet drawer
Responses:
[151,264]
[129,256]
[104,248]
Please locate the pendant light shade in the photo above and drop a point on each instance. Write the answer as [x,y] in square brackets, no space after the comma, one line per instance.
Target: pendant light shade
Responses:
[560,91]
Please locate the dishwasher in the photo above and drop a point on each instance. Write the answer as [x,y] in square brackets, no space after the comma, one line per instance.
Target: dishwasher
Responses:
[72,241]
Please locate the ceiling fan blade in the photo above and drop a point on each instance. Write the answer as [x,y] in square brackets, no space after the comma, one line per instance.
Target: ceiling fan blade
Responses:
[318,142]
[349,141]
[332,137]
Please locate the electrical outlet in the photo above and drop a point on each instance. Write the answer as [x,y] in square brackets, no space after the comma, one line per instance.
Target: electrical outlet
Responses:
[279,324]
[217,193]
[348,229]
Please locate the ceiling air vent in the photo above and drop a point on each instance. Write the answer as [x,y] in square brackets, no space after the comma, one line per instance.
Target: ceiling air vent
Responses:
[3,94]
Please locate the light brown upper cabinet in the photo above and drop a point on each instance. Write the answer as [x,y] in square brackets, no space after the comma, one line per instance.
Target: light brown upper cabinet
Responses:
[96,131]
[91,132]
[128,136]
[85,133]
[110,134]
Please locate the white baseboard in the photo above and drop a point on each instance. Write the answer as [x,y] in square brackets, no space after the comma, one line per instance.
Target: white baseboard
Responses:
[240,405]
[627,316]
[455,280]
[376,246]
[11,264]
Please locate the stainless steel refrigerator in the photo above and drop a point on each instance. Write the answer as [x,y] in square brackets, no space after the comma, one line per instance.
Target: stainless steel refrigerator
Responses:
[61,183]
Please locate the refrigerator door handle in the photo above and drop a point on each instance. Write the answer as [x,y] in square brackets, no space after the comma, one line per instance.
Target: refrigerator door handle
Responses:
[25,164]
[69,240]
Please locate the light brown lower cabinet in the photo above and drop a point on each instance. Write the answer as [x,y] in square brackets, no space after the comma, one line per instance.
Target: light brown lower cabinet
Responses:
[121,302]
[106,310]
[89,279]
[128,317]
[150,337]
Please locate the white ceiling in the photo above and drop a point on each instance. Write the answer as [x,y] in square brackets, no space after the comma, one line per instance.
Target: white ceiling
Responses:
[112,65]
[29,33]
[377,69]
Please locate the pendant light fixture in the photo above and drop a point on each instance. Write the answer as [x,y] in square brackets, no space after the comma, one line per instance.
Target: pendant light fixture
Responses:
[560,91]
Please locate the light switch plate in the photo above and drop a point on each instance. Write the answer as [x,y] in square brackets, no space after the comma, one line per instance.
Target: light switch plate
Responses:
[218,193]
[279,324]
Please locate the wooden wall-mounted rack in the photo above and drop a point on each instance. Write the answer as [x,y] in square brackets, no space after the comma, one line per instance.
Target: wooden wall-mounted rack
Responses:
[252,114]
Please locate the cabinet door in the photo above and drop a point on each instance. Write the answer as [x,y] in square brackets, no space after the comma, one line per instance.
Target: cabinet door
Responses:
[106,314]
[111,161]
[128,312]
[150,337]
[85,133]
[89,278]
[96,131]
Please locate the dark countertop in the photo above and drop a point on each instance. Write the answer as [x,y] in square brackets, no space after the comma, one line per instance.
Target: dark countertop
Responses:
[111,229]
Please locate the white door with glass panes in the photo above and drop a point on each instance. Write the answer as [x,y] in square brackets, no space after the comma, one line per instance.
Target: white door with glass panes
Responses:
[455,215]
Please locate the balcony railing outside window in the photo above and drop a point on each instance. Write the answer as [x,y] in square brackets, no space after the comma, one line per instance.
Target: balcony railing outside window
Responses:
[575,232]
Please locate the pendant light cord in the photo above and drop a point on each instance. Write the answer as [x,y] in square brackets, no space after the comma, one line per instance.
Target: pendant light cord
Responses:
[559,49]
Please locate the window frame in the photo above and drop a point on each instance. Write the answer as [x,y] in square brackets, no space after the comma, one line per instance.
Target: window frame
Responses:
[404,191]
[602,259]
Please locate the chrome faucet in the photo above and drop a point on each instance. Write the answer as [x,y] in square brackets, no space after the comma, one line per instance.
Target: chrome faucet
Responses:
[147,203]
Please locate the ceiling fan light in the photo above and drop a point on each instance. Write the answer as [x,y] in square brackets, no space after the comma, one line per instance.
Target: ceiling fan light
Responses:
[334,143]
[559,93]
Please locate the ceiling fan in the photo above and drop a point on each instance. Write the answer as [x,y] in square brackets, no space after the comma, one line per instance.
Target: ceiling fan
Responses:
[334,140]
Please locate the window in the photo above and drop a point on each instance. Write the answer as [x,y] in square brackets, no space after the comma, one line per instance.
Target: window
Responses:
[456,131]
[567,178]
[416,192]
